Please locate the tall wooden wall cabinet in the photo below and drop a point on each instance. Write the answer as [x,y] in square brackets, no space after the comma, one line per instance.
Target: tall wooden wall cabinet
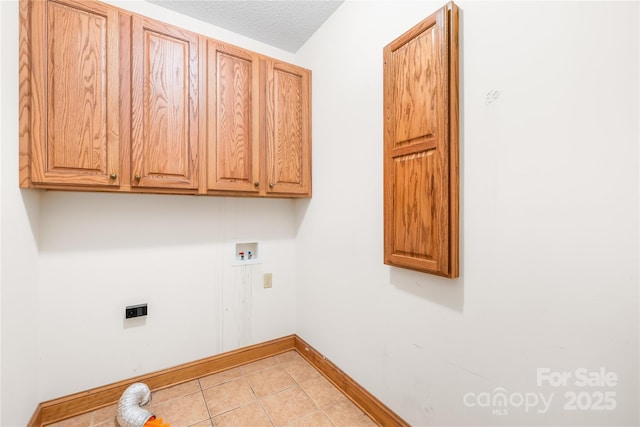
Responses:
[421,146]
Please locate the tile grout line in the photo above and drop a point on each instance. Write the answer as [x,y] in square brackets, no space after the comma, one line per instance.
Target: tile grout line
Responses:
[206,405]
[303,390]
[298,383]
[321,409]
[266,412]
[258,399]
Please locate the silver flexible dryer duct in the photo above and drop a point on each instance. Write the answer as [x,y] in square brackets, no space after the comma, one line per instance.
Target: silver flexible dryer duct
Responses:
[130,414]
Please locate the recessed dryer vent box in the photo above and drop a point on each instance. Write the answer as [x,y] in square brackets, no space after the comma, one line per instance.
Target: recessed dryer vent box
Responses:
[246,253]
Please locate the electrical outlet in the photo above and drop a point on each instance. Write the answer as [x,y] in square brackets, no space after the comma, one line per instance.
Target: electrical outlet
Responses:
[135,311]
[268,280]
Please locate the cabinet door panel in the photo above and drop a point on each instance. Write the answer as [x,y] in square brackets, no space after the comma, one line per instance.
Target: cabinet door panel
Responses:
[164,106]
[75,119]
[233,116]
[421,147]
[417,74]
[288,129]
[420,222]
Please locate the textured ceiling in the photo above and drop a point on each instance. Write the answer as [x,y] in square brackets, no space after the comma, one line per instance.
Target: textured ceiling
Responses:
[285,24]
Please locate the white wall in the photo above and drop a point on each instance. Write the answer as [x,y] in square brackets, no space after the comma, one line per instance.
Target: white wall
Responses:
[71,262]
[18,248]
[101,252]
[549,246]
[1,136]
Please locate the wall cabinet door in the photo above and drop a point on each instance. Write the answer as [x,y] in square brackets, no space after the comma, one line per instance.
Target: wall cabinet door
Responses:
[164,106]
[233,135]
[74,93]
[288,129]
[421,146]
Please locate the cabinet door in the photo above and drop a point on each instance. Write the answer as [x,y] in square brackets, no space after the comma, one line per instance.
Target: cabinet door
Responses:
[164,106]
[421,146]
[288,129]
[233,118]
[74,81]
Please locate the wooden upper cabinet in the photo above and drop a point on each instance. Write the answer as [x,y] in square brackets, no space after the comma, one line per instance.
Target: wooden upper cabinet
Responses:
[233,134]
[421,146]
[114,101]
[74,120]
[164,106]
[288,129]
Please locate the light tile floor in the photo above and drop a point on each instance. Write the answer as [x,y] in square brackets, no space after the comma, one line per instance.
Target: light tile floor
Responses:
[284,390]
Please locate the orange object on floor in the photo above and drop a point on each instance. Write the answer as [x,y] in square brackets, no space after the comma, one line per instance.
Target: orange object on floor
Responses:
[155,422]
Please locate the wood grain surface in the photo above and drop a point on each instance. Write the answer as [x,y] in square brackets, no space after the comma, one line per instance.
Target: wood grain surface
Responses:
[74,85]
[114,101]
[288,128]
[164,105]
[233,114]
[421,146]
